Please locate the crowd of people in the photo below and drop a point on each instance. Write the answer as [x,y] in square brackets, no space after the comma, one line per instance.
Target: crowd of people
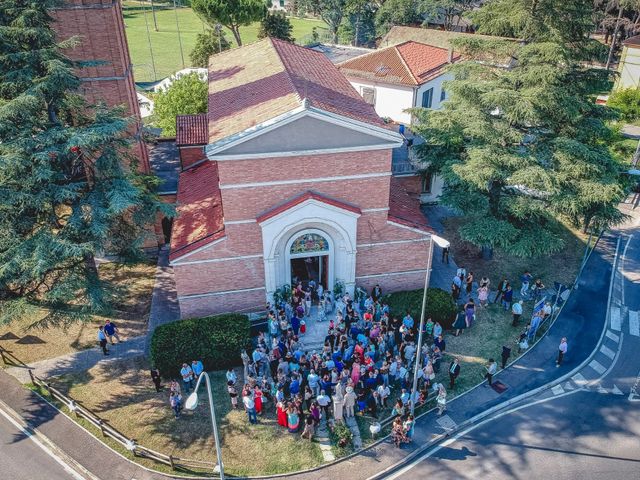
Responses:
[366,363]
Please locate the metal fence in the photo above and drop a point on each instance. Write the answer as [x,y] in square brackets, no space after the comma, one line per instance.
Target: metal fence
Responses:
[107,430]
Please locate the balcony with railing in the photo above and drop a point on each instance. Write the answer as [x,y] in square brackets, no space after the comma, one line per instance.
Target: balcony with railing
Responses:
[404,160]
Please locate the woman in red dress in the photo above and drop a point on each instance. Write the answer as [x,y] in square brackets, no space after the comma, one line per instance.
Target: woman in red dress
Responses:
[282,415]
[258,400]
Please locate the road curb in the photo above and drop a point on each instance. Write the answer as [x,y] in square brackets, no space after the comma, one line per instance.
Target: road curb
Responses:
[63,456]
[384,473]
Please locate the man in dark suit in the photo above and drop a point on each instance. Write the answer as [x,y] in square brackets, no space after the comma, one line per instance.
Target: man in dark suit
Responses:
[454,371]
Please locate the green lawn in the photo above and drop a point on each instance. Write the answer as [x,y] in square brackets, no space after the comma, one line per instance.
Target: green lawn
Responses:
[165,44]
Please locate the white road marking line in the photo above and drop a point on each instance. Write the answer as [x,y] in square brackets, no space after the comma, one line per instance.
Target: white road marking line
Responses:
[601,389]
[557,390]
[612,336]
[634,323]
[616,390]
[44,448]
[579,379]
[607,352]
[616,319]
[597,366]
[568,386]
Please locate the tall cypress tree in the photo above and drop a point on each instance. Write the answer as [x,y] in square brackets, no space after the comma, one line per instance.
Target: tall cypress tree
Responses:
[69,189]
[521,141]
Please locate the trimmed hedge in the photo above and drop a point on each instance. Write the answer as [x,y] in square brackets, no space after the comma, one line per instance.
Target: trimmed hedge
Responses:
[216,340]
[440,306]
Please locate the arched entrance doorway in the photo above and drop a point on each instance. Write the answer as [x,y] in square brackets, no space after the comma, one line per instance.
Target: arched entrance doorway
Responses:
[309,258]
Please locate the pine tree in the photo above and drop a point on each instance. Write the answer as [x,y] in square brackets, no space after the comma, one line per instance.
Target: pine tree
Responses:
[521,142]
[69,189]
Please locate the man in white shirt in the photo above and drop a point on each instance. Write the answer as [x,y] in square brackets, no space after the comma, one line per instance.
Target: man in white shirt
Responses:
[323,402]
[250,407]
[562,349]
[461,271]
[492,368]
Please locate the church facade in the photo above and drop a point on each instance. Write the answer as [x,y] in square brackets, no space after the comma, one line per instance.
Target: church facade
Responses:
[288,178]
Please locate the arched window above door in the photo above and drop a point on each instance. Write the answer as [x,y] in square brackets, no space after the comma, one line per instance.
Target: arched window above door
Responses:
[309,243]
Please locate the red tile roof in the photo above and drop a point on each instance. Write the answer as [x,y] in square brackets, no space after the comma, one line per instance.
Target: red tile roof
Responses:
[191,129]
[409,63]
[405,209]
[260,81]
[633,42]
[200,218]
[292,202]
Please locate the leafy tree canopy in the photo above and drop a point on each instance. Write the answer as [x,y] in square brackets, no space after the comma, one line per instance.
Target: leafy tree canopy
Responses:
[69,187]
[276,25]
[231,13]
[207,44]
[626,101]
[521,141]
[186,95]
[398,12]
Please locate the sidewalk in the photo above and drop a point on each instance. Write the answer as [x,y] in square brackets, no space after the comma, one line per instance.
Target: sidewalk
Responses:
[581,321]
[80,361]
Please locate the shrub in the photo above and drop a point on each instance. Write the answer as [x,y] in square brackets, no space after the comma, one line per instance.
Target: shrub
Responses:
[217,341]
[440,306]
[626,102]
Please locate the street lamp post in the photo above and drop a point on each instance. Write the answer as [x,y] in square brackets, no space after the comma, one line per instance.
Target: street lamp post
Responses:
[192,403]
[427,277]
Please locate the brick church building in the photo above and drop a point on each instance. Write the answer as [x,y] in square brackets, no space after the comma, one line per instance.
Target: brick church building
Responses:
[286,178]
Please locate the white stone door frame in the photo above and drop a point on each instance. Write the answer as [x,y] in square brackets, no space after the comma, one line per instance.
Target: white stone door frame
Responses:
[337,225]
[329,253]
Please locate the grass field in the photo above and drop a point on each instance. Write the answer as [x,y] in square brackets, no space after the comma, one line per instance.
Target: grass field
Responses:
[131,311]
[123,395]
[165,44]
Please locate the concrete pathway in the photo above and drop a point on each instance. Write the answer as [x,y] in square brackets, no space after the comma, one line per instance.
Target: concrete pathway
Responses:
[80,361]
[164,301]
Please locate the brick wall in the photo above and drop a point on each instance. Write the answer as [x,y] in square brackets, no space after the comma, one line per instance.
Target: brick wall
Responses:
[304,166]
[242,302]
[248,203]
[191,155]
[393,283]
[219,276]
[392,258]
[99,26]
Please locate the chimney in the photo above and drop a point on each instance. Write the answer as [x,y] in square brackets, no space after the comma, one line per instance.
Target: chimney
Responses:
[450,57]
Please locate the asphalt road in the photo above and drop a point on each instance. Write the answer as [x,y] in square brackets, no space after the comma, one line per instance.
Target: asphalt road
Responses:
[587,427]
[21,458]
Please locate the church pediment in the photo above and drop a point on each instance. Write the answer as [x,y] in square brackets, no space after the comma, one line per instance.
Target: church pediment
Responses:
[302,133]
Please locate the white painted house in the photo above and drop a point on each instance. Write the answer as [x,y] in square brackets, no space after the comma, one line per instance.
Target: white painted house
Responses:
[629,65]
[398,78]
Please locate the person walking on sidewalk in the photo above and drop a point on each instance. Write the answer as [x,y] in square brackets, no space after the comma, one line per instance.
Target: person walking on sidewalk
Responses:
[491,369]
[506,353]
[454,371]
[562,350]
[445,255]
[111,331]
[102,340]
[441,399]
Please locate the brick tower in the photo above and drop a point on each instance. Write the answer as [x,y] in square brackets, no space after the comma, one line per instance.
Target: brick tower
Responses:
[99,25]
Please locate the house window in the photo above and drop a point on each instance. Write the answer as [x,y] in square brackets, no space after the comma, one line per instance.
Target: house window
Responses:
[427,98]
[427,182]
[369,95]
[443,95]
[282,3]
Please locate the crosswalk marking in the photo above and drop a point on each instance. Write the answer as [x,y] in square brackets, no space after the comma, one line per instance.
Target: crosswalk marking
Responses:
[634,323]
[616,319]
[606,351]
[616,390]
[568,386]
[597,366]
[601,389]
[579,379]
[612,336]
[557,390]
